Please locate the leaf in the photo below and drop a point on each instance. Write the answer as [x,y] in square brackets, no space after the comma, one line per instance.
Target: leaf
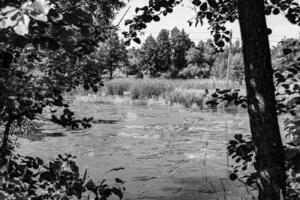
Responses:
[137,40]
[203,6]
[276,11]
[128,21]
[156,18]
[233,177]
[117,192]
[117,169]
[212,3]
[286,86]
[90,185]
[221,43]
[127,42]
[119,181]
[196,2]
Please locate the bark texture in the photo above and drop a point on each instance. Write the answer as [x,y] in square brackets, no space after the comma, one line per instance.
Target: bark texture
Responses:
[270,161]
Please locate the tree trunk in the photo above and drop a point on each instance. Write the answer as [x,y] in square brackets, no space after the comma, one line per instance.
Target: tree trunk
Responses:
[111,73]
[5,136]
[3,148]
[270,164]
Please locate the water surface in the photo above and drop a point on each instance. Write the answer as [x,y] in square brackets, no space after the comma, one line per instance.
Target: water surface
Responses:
[167,152]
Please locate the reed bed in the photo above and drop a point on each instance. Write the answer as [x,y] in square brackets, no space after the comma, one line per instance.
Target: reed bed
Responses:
[189,93]
[119,86]
[186,98]
[202,84]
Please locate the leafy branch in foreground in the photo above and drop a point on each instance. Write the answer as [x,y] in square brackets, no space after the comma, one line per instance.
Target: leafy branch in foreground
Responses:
[45,51]
[25,177]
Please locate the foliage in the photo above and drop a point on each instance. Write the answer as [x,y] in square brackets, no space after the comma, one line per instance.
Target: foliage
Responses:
[112,53]
[133,61]
[191,71]
[217,14]
[149,59]
[200,61]
[287,78]
[180,43]
[164,51]
[45,49]
[170,56]
[25,177]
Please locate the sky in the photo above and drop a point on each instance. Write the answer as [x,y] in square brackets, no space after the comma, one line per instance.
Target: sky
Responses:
[281,28]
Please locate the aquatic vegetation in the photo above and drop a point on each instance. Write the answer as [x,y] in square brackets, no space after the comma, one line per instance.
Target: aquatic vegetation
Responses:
[118,86]
[186,98]
[150,89]
[189,93]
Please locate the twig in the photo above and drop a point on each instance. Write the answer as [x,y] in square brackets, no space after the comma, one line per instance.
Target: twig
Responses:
[123,16]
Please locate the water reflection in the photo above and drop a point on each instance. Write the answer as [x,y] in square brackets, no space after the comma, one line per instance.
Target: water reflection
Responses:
[167,152]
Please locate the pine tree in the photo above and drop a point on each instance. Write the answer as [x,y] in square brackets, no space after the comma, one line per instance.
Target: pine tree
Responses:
[180,44]
[149,52]
[164,50]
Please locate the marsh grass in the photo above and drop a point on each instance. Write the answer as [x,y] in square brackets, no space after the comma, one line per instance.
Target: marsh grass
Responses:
[118,86]
[145,88]
[202,84]
[188,93]
[150,89]
[186,98]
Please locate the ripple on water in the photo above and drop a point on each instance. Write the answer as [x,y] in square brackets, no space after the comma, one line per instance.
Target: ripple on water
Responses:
[161,147]
[139,136]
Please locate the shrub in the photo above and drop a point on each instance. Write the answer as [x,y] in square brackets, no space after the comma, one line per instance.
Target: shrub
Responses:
[190,72]
[139,75]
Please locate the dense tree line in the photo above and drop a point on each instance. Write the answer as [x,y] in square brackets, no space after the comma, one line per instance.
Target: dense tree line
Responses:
[174,55]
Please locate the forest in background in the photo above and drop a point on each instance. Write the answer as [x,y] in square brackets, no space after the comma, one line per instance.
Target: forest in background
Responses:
[172,54]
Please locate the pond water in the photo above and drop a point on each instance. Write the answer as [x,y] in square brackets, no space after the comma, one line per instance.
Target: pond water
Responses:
[168,152]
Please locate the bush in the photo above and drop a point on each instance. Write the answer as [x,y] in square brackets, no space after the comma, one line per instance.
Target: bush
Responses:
[191,71]
[139,75]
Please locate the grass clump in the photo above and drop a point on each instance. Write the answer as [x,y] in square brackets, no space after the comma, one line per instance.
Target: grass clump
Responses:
[139,89]
[118,86]
[150,89]
[186,98]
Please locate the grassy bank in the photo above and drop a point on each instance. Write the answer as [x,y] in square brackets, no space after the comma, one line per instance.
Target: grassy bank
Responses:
[188,93]
[155,87]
